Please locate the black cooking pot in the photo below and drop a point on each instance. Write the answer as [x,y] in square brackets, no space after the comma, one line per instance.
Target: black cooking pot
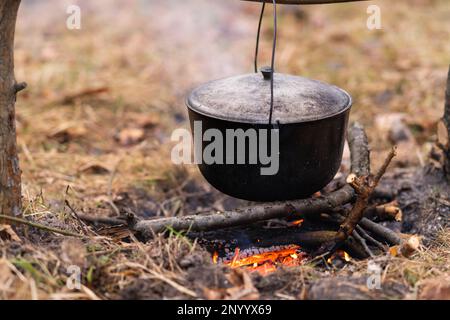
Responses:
[308,124]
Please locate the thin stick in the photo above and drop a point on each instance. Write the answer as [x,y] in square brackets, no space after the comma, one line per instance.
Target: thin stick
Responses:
[41,226]
[384,233]
[383,168]
[369,238]
[75,214]
[303,238]
[363,243]
[359,150]
[363,187]
[83,225]
[338,219]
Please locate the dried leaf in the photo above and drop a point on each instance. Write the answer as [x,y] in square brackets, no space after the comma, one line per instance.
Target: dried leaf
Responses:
[147,122]
[68,132]
[94,168]
[130,136]
[7,233]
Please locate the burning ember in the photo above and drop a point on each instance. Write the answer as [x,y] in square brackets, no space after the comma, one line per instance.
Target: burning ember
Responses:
[297,223]
[341,254]
[215,257]
[266,261]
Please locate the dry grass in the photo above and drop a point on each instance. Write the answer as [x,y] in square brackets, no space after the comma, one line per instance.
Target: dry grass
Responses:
[94,128]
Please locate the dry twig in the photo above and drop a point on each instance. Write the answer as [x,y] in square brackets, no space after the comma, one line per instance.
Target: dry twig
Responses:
[40,226]
[364,186]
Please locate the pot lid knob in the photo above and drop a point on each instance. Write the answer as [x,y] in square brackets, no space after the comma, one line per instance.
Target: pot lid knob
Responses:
[266,72]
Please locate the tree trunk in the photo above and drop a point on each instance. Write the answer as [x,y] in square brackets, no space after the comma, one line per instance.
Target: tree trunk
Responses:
[444,130]
[446,121]
[10,188]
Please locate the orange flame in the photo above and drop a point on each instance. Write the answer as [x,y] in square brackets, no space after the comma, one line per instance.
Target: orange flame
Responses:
[342,254]
[215,257]
[235,258]
[268,262]
[297,222]
[347,256]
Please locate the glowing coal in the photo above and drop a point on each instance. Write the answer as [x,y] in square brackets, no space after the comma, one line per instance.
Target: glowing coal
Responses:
[263,260]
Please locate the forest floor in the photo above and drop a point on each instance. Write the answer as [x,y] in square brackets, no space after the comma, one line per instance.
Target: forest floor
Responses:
[95,122]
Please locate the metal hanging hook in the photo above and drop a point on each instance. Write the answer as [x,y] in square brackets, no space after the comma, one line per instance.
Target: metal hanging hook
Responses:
[274,46]
[257,36]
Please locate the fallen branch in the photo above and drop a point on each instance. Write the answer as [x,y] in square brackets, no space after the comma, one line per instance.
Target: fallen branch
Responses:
[383,234]
[388,235]
[40,226]
[359,150]
[383,212]
[384,193]
[355,244]
[370,239]
[295,236]
[363,243]
[238,217]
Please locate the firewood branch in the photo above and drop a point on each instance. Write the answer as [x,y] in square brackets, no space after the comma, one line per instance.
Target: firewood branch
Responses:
[289,209]
[238,217]
[363,186]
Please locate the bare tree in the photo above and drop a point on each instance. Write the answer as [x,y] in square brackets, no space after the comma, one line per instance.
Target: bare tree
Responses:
[446,129]
[10,188]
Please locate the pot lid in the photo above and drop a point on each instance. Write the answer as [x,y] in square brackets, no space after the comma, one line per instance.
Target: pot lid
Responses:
[246,98]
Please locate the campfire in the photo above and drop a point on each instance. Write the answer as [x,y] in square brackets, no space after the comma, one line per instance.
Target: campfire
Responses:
[264,260]
[269,259]
[332,227]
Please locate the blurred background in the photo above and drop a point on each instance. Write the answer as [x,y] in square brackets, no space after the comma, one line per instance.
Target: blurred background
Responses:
[95,121]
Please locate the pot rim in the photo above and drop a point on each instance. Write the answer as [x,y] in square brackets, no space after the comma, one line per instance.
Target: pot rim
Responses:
[234,120]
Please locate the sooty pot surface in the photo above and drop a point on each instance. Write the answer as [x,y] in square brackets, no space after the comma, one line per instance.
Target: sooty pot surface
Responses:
[244,156]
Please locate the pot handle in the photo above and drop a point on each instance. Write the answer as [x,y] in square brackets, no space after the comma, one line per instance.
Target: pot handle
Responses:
[268,72]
